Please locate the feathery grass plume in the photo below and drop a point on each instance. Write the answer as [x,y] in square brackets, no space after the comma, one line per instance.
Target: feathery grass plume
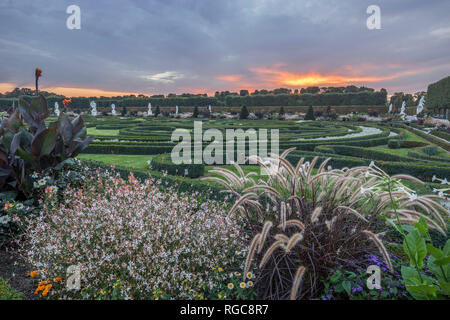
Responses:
[297,280]
[381,247]
[265,188]
[268,254]
[432,210]
[293,222]
[356,213]
[264,233]
[251,252]
[283,215]
[407,177]
[293,241]
[282,237]
[301,193]
[310,169]
[240,201]
[299,165]
[315,215]
[430,222]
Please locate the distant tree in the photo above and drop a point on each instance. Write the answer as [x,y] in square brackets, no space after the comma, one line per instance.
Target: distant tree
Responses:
[195,113]
[244,113]
[312,90]
[157,111]
[243,93]
[124,111]
[281,112]
[310,114]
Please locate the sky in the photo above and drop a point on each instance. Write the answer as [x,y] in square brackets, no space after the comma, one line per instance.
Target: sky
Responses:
[202,46]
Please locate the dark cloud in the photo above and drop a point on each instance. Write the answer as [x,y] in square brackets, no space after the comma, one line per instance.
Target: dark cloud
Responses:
[175,46]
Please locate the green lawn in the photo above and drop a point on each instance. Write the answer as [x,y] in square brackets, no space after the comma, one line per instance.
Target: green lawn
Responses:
[100,132]
[129,161]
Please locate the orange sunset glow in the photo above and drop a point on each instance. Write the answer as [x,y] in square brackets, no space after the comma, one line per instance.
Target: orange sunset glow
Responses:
[311,79]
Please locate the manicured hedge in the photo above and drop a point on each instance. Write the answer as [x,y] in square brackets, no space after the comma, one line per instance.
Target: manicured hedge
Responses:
[444,145]
[398,143]
[163,163]
[438,94]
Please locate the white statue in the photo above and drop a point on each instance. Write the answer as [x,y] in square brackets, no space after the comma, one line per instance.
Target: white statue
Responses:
[390,108]
[420,106]
[149,112]
[57,112]
[403,109]
[176,109]
[113,109]
[210,110]
[93,108]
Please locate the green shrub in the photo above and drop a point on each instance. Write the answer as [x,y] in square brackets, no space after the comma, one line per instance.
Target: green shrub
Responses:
[244,113]
[163,163]
[8,293]
[310,114]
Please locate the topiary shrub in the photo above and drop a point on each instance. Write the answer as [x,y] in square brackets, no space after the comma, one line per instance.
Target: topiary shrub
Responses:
[310,114]
[244,113]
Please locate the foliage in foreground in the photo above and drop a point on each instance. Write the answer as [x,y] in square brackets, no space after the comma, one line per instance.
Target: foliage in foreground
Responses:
[8,293]
[32,146]
[306,224]
[132,240]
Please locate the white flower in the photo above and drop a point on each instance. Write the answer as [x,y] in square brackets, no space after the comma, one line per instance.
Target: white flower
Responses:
[434,178]
[445,181]
[412,197]
[41,182]
[5,219]
[371,164]
[34,175]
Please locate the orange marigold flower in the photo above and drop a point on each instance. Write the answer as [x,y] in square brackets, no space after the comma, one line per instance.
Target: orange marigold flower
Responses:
[34,273]
[7,206]
[46,290]
[58,279]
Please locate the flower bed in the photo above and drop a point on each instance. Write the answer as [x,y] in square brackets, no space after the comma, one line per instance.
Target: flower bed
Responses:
[132,240]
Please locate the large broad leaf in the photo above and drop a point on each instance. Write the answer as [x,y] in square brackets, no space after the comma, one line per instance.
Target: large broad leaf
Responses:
[60,165]
[65,128]
[43,143]
[414,245]
[83,145]
[27,114]
[27,157]
[39,106]
[439,265]
[419,286]
[15,143]
[77,124]
[14,122]
[25,139]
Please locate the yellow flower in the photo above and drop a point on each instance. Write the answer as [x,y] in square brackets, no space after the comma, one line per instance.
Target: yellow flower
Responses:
[250,284]
[238,252]
[220,296]
[242,285]
[34,273]
[230,286]
[249,275]
[220,269]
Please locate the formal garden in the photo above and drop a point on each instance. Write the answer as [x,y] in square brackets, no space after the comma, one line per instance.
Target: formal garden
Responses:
[100,194]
